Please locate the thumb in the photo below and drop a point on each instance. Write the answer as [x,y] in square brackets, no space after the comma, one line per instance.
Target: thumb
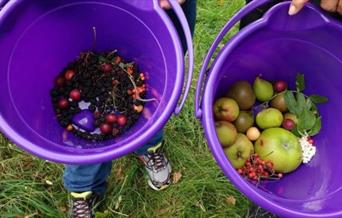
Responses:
[296,6]
[164,4]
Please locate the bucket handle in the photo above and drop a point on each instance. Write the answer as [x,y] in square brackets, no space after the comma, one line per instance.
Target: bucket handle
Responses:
[186,29]
[2,3]
[204,70]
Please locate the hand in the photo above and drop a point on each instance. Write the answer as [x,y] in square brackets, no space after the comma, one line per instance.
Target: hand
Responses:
[328,5]
[166,5]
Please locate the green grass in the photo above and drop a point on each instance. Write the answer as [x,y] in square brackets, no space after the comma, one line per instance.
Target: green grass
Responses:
[201,192]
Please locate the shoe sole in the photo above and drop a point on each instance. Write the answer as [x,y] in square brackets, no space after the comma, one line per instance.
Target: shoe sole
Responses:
[156,188]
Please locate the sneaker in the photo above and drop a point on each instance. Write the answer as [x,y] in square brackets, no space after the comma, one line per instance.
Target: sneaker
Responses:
[158,168]
[82,204]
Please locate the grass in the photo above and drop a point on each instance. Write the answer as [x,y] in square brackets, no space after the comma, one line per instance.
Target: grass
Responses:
[202,190]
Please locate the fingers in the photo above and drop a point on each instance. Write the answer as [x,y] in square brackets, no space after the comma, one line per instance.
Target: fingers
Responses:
[164,4]
[339,7]
[330,5]
[297,5]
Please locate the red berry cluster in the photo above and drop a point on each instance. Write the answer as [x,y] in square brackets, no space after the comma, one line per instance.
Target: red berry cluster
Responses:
[256,169]
[110,119]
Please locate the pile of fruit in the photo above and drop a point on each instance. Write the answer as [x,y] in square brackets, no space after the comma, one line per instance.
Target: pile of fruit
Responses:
[266,129]
[99,96]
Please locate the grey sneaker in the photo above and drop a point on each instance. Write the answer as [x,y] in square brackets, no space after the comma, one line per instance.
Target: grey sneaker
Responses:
[158,168]
[82,204]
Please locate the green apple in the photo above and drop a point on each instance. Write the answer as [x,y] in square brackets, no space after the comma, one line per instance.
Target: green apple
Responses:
[281,147]
[263,89]
[226,109]
[226,133]
[269,118]
[240,151]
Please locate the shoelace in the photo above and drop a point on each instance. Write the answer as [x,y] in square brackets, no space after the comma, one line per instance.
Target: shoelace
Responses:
[81,208]
[157,160]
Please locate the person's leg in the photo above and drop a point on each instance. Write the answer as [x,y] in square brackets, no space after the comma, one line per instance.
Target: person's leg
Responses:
[155,161]
[189,9]
[82,178]
[157,166]
[85,184]
[158,138]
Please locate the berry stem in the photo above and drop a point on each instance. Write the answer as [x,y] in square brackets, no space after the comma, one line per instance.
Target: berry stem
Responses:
[114,97]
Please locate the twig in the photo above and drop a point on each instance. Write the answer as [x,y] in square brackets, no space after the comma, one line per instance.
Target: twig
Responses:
[135,88]
[94,38]
[86,58]
[100,77]
[138,96]
[112,52]
[113,96]
[266,103]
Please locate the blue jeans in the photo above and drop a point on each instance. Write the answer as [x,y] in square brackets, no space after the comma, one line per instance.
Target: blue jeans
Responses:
[93,177]
[81,178]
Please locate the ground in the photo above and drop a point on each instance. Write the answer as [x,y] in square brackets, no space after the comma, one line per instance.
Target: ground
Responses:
[30,187]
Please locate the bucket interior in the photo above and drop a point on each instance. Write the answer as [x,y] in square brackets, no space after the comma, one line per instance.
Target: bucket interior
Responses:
[39,38]
[314,188]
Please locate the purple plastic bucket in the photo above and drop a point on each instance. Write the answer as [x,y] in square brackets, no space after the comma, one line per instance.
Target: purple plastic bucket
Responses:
[280,46]
[39,38]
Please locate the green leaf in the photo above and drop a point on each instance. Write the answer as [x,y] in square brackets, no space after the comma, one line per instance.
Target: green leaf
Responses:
[301,103]
[309,105]
[317,99]
[296,132]
[300,84]
[291,102]
[317,127]
[306,120]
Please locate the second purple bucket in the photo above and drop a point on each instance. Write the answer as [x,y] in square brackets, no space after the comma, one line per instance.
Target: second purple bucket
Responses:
[39,38]
[280,46]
